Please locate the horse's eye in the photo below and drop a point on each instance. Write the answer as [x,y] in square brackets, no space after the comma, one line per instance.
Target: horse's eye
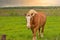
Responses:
[31,14]
[28,15]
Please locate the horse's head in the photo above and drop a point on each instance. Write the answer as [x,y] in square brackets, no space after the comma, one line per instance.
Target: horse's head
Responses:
[29,17]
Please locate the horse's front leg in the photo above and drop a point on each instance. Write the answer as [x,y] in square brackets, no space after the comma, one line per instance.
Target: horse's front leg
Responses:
[34,33]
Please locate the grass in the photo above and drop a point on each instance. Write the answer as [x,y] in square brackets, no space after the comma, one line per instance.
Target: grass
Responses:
[14,27]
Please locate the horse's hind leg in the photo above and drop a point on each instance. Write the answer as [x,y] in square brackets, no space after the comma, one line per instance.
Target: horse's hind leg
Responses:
[42,31]
[39,32]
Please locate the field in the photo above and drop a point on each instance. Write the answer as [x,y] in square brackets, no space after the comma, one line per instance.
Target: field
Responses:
[14,27]
[13,23]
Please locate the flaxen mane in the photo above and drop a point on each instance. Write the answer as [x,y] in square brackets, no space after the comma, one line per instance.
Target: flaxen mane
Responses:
[32,11]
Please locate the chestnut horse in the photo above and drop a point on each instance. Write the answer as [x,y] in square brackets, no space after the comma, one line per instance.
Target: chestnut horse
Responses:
[36,21]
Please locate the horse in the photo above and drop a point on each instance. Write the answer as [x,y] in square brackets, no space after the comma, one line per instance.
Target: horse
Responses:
[36,22]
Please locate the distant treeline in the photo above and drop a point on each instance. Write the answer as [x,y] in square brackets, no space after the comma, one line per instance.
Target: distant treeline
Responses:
[32,7]
[20,11]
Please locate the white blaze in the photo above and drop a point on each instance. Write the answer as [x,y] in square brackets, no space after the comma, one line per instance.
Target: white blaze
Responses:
[28,21]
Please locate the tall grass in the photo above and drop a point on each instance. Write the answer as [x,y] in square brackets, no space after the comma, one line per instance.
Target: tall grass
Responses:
[20,11]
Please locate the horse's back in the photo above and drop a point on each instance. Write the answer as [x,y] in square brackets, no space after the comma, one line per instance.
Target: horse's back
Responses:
[42,18]
[42,14]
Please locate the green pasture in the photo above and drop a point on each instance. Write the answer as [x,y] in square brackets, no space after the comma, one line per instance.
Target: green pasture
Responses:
[14,27]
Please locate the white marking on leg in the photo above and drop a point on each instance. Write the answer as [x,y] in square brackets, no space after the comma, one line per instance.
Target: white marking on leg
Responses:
[41,35]
[34,38]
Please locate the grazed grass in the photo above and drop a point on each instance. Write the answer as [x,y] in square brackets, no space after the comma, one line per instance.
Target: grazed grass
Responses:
[14,27]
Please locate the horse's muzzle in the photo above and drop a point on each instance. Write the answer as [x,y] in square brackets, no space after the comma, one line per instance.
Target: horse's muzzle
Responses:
[28,26]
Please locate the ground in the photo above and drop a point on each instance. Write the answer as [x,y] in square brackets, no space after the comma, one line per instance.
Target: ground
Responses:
[14,27]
